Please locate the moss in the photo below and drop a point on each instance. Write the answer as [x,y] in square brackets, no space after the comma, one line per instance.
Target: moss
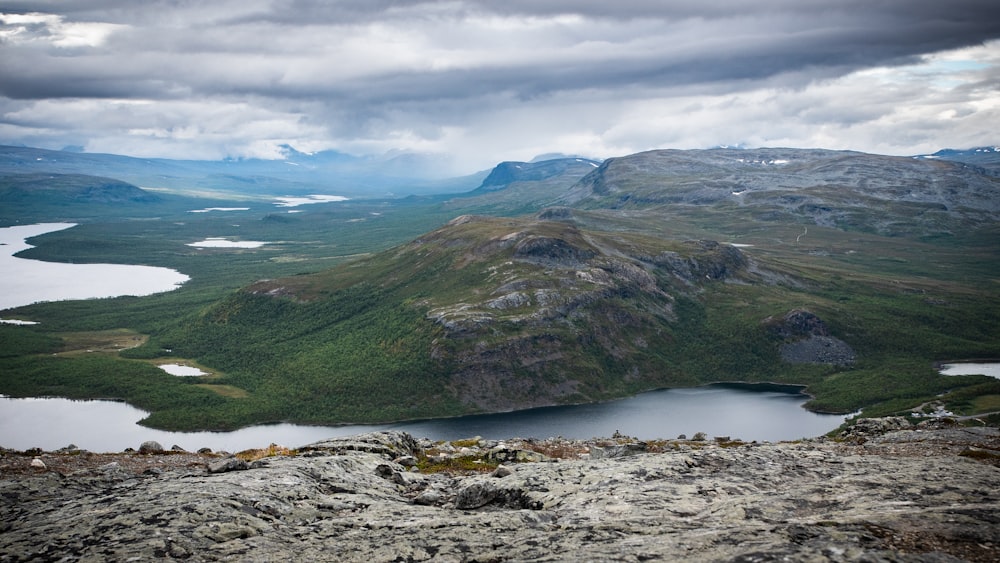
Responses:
[273,450]
[461,464]
[981,454]
[467,443]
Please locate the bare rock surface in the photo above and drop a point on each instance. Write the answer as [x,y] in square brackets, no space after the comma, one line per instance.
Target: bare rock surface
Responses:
[885,493]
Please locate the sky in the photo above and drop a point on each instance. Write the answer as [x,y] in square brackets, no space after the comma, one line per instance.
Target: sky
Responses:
[476,82]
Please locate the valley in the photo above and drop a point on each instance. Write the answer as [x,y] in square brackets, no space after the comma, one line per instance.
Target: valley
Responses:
[558,282]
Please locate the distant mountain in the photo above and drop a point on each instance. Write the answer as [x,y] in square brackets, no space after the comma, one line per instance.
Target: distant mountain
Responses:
[507,173]
[70,188]
[558,156]
[28,197]
[325,172]
[987,158]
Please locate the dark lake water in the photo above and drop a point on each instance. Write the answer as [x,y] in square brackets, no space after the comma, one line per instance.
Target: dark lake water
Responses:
[760,414]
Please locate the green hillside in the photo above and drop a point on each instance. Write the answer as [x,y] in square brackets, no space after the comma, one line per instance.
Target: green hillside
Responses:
[491,314]
[851,274]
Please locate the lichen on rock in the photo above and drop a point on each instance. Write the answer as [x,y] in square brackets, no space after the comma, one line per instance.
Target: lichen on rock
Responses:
[352,499]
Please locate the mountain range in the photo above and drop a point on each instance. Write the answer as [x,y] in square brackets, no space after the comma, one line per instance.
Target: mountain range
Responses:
[294,174]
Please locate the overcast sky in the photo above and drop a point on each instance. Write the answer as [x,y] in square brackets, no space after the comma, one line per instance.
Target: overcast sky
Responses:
[483,81]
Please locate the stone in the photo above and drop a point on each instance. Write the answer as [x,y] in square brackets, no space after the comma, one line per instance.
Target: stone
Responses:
[530,456]
[502,454]
[476,495]
[502,471]
[406,461]
[617,450]
[113,466]
[902,496]
[864,428]
[150,447]
[228,464]
[38,463]
[429,498]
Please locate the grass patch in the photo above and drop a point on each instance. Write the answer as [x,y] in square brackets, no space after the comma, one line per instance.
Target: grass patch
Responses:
[228,391]
[273,450]
[105,341]
[985,403]
[461,464]
[466,443]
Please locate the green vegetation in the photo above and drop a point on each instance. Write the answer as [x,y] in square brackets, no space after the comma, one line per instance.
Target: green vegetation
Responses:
[461,464]
[370,311]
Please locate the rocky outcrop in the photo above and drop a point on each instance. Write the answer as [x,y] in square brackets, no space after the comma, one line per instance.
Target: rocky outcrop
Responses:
[902,495]
[807,340]
[710,261]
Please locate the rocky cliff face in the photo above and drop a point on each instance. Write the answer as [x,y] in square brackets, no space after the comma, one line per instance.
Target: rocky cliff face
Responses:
[557,301]
[887,492]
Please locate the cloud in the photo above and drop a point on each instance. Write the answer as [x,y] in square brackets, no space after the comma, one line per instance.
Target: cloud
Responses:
[484,81]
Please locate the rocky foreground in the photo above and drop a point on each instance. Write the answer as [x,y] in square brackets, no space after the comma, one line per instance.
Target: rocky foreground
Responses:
[886,492]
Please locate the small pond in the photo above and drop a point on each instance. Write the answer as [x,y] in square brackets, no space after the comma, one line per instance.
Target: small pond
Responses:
[222,242]
[181,370]
[990,369]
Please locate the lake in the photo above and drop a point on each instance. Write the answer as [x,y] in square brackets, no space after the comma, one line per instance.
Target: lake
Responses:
[764,414]
[24,281]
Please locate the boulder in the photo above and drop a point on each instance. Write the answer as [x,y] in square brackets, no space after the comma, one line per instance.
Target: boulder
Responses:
[618,450]
[228,464]
[150,447]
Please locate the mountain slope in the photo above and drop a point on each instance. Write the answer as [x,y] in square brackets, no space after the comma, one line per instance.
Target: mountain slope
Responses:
[492,314]
[481,315]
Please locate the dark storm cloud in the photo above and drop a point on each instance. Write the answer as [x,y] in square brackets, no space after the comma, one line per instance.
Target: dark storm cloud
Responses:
[645,43]
[418,66]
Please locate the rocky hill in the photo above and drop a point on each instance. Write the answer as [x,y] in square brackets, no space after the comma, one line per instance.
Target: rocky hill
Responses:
[885,491]
[495,314]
